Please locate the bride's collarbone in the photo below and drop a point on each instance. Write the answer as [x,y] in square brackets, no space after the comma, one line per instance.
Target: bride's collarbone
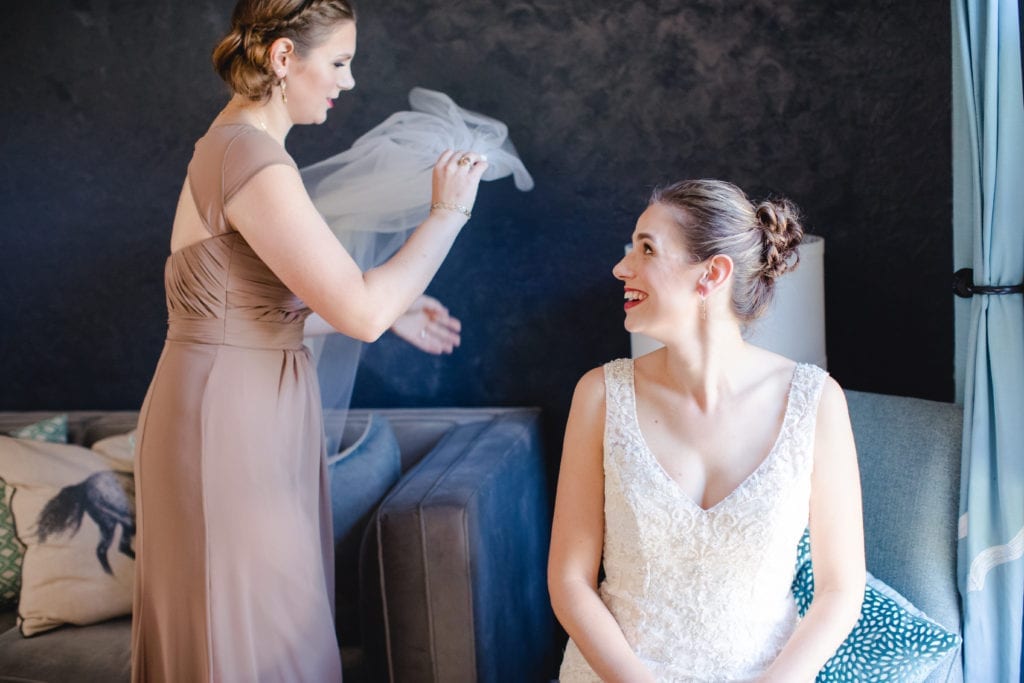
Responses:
[710,456]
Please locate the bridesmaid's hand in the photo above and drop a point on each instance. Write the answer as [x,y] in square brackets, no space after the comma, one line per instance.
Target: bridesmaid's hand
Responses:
[429,327]
[456,179]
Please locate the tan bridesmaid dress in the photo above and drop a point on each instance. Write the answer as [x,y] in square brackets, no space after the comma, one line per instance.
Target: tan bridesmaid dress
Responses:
[234,568]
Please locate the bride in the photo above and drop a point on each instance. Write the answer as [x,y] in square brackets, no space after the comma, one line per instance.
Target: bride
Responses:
[693,471]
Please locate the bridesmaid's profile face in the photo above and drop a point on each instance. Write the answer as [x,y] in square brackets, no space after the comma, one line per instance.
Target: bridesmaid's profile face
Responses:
[316,78]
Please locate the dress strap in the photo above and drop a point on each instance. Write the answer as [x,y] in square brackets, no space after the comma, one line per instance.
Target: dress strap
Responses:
[802,413]
[808,382]
[225,159]
[617,373]
[618,389]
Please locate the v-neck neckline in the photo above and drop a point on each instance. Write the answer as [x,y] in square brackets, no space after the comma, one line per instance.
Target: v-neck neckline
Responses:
[672,483]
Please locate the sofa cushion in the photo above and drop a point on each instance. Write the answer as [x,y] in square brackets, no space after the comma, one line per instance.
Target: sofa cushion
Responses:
[360,475]
[76,517]
[69,654]
[891,641]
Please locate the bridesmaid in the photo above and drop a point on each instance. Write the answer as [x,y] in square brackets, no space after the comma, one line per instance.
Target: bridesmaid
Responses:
[234,569]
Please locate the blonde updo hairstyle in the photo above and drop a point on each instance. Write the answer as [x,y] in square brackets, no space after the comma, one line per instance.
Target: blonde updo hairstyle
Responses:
[715,217]
[242,57]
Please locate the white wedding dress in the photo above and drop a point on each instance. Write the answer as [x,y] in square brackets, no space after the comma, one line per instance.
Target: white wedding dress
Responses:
[701,595]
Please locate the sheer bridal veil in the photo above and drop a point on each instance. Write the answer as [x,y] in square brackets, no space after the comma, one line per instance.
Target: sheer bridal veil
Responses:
[375,193]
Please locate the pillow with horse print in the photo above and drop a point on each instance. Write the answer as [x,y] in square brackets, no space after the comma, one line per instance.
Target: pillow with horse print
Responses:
[12,553]
[75,515]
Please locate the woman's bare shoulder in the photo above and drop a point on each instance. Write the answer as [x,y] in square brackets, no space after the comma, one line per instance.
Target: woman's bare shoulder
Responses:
[590,388]
[833,400]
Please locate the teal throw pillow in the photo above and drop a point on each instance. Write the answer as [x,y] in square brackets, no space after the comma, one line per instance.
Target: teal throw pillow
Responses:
[12,552]
[52,430]
[361,476]
[892,640]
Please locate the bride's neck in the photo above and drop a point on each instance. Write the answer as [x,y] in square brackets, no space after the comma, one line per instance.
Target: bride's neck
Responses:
[708,366]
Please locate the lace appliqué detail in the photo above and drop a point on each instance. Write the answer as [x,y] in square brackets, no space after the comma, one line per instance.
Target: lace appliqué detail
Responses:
[702,595]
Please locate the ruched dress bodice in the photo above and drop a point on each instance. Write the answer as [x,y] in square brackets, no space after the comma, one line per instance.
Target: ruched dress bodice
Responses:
[220,292]
[701,595]
[234,547]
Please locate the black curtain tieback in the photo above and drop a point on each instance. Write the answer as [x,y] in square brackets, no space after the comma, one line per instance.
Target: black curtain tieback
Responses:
[963,285]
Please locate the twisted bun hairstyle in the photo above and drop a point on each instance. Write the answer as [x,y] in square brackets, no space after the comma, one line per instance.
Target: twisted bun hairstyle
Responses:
[715,217]
[779,220]
[242,57]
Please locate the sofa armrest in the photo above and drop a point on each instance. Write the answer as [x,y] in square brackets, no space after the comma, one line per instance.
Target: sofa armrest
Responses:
[454,563]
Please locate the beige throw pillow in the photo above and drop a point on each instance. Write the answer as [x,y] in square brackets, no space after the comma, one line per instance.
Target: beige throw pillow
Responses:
[76,516]
[118,451]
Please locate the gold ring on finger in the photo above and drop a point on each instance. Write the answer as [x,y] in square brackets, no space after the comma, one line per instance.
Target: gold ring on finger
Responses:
[465,161]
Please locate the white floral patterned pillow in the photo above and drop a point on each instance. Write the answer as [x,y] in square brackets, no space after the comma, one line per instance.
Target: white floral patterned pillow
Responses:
[892,640]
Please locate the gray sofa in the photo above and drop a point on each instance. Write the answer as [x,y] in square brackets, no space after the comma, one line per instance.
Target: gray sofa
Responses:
[909,455]
[457,550]
[452,571]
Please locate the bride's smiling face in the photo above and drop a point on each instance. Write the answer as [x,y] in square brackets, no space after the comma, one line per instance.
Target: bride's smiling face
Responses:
[659,274]
[316,78]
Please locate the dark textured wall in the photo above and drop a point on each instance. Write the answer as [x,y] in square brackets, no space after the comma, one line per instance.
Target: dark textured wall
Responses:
[843,107]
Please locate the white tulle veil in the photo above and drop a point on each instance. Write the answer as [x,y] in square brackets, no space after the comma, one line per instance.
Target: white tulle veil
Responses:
[375,193]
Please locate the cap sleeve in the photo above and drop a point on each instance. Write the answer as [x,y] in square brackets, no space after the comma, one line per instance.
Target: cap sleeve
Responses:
[246,155]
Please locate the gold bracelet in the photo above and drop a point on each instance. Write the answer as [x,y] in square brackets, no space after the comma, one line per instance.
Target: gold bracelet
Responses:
[452,207]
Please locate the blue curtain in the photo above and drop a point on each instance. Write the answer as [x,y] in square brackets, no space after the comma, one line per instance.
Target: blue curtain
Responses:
[988,224]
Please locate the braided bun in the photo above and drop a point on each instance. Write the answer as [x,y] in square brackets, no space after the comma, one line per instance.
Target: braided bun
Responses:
[242,57]
[242,62]
[779,220]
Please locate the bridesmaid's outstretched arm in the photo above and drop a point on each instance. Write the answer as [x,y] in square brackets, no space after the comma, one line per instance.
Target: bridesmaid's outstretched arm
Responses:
[427,325]
[281,224]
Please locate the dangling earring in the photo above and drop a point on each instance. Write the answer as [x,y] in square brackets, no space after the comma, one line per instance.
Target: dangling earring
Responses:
[284,90]
[703,298]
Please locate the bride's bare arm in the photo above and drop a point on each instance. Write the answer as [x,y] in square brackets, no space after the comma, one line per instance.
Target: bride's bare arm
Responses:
[280,223]
[577,537]
[837,546]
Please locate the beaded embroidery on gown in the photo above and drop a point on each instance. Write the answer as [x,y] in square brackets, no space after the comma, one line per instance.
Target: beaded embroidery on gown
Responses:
[234,553]
[701,594]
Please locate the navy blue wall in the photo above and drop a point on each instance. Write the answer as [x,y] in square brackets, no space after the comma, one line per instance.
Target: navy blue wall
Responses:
[843,107]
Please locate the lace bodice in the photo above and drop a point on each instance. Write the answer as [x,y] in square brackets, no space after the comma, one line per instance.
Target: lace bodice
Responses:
[701,594]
